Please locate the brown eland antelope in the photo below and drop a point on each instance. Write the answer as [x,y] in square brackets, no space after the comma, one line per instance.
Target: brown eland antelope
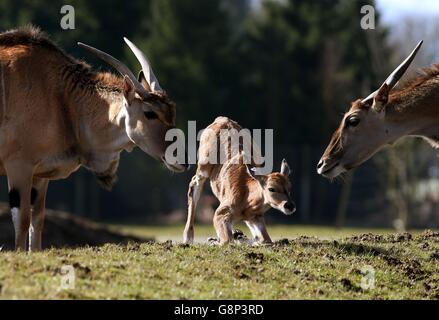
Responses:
[383,117]
[57,115]
[243,195]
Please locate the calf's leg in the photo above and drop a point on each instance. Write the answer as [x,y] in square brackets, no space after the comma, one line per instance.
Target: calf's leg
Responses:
[259,230]
[222,221]
[193,195]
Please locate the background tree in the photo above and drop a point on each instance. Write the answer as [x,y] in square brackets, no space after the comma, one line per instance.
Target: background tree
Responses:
[291,65]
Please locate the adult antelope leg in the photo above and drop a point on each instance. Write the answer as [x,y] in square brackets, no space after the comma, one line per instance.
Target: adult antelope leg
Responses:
[259,230]
[20,185]
[223,224]
[38,199]
[193,195]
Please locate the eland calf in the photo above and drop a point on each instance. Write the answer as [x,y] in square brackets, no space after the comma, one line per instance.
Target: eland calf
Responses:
[243,195]
[56,115]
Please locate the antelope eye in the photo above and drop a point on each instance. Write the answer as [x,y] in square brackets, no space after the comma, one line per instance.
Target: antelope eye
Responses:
[353,121]
[271,190]
[150,115]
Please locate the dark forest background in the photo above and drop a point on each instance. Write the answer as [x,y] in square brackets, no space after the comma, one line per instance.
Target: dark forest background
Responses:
[293,66]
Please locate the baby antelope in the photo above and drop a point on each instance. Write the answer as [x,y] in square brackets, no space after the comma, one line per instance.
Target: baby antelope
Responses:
[243,195]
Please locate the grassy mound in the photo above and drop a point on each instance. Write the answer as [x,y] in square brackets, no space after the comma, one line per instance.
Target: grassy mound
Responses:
[365,266]
[62,229]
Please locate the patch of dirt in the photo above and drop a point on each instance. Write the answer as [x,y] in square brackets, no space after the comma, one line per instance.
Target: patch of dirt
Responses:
[240,272]
[369,237]
[435,255]
[348,285]
[81,268]
[427,235]
[256,257]
[313,242]
[242,275]
[167,245]
[354,270]
[306,276]
[282,242]
[360,249]
[239,235]
[318,291]
[393,261]
[400,237]
[424,246]
[431,290]
[328,256]
[132,247]
[307,239]
[412,268]
[62,229]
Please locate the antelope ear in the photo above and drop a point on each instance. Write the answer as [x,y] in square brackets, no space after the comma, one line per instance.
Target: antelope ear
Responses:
[128,89]
[258,177]
[381,98]
[285,168]
[143,81]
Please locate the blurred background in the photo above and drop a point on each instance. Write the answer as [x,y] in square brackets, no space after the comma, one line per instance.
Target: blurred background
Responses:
[292,65]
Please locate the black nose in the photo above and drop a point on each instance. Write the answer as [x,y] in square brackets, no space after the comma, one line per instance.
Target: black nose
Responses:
[290,206]
[320,164]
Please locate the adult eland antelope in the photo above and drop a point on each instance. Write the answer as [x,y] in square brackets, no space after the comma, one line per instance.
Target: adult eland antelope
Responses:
[243,195]
[383,117]
[57,114]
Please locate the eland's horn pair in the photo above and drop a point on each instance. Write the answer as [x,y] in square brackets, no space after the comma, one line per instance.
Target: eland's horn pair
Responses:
[393,79]
[146,71]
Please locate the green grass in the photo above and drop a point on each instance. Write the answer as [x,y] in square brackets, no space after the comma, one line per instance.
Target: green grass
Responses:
[303,268]
[203,231]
